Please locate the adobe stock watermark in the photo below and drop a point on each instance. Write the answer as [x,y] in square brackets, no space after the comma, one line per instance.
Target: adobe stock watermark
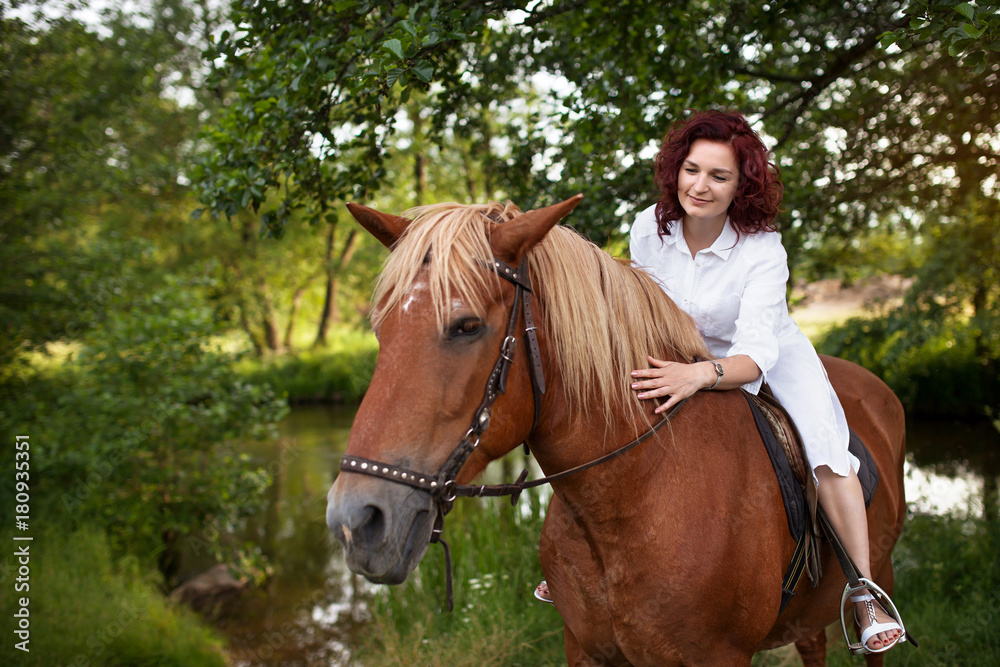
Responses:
[22,546]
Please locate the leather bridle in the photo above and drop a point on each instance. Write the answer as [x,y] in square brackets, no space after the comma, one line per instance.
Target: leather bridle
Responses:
[442,485]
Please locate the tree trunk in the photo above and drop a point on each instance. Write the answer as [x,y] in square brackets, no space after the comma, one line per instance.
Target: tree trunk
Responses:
[487,163]
[258,345]
[470,181]
[419,178]
[329,302]
[270,323]
[419,170]
[330,315]
[991,496]
[293,314]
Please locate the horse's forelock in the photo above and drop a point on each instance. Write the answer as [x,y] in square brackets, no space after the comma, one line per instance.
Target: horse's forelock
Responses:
[452,242]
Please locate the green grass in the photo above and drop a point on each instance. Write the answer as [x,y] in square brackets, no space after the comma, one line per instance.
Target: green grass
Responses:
[947,589]
[496,620]
[88,611]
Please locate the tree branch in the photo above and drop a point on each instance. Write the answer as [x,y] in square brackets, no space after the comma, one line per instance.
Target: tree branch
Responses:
[774,77]
[541,17]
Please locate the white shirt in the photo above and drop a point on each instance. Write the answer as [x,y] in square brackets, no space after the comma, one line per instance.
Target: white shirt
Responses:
[734,290]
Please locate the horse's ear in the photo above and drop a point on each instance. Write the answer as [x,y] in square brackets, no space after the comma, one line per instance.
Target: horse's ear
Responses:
[511,240]
[386,228]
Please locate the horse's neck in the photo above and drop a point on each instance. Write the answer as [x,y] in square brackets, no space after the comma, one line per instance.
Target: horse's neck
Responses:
[567,441]
[700,446]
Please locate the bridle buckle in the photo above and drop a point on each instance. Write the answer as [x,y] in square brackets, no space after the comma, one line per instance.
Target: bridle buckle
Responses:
[508,349]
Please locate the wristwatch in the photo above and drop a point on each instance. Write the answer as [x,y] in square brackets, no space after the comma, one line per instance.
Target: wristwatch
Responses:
[720,372]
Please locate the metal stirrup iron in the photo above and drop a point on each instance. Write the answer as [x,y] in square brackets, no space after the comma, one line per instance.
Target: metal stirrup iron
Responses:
[855,584]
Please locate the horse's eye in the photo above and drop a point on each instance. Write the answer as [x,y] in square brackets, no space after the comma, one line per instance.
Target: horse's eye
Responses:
[466,327]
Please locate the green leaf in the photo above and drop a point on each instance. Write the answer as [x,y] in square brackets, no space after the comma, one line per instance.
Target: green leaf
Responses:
[972,31]
[395,47]
[967,10]
[196,214]
[424,72]
[957,48]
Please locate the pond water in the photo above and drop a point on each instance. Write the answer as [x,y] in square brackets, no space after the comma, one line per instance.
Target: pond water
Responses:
[313,610]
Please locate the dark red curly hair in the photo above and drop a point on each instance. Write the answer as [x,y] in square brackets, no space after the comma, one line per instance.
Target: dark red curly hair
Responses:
[760,190]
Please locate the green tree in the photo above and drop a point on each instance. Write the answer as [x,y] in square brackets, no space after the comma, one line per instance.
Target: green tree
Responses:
[136,430]
[971,32]
[318,93]
[92,143]
[883,115]
[317,87]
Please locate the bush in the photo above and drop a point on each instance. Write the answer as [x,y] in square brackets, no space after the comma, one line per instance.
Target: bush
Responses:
[138,434]
[339,373]
[934,369]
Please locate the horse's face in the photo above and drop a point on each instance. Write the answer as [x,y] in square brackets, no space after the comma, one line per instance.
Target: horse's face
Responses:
[421,401]
[428,382]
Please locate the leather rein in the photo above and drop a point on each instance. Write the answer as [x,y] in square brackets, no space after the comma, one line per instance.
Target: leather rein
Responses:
[442,485]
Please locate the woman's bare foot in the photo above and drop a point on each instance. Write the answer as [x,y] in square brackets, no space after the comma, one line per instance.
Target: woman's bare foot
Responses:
[870,614]
[542,592]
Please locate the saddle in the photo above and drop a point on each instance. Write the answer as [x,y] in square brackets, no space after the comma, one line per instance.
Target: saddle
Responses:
[794,474]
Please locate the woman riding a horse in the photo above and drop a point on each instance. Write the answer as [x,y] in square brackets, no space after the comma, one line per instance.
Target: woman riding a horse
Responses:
[674,553]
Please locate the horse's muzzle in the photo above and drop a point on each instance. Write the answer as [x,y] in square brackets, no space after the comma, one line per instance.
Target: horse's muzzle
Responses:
[385,534]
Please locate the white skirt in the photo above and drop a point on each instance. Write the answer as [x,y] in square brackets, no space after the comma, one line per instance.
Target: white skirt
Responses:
[799,381]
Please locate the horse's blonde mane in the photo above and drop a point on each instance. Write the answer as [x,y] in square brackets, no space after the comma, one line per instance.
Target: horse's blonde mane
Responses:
[602,316]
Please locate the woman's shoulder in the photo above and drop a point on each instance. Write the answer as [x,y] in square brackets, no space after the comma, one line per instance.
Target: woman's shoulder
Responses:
[645,223]
[763,243]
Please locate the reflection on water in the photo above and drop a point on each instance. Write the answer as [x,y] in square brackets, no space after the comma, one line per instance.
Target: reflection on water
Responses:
[313,611]
[952,466]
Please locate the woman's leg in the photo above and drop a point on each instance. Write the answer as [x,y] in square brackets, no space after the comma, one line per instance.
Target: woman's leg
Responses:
[843,501]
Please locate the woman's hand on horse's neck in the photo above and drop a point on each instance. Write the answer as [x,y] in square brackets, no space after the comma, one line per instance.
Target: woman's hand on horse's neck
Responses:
[680,380]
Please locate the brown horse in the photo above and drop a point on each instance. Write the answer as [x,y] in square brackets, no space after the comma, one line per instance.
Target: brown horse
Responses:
[672,553]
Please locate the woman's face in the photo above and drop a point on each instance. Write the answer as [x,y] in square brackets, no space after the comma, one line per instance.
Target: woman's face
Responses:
[707,182]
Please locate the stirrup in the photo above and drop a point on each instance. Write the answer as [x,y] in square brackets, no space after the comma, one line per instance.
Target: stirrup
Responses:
[888,607]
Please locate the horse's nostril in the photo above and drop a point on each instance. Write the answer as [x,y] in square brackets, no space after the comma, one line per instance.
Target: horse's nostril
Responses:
[370,528]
